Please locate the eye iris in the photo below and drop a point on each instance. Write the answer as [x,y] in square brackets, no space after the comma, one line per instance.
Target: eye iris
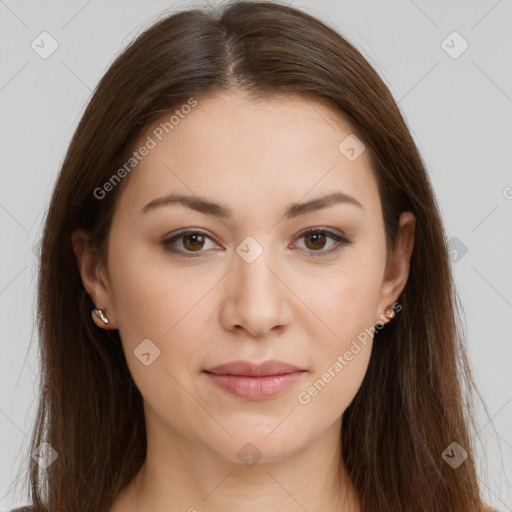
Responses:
[195,238]
[319,239]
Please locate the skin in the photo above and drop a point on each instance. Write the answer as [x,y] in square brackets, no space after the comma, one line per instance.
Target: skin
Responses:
[254,158]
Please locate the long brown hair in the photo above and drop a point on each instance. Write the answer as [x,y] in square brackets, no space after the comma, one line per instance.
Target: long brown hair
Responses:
[415,398]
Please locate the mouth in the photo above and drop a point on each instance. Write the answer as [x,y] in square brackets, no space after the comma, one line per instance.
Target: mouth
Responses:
[254,381]
[248,368]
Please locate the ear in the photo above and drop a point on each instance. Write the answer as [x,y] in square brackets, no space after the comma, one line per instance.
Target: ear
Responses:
[94,277]
[397,266]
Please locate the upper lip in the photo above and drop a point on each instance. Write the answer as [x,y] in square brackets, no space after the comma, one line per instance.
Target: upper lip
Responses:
[270,367]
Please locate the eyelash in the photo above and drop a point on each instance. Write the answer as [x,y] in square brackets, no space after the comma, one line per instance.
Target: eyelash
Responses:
[341,242]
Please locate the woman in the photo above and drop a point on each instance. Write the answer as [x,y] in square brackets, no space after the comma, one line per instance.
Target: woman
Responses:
[245,298]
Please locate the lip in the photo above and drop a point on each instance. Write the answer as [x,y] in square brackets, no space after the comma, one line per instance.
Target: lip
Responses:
[269,367]
[255,381]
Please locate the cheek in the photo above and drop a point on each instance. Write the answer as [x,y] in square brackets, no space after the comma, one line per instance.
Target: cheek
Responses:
[346,298]
[346,310]
[341,354]
[155,301]
[150,295]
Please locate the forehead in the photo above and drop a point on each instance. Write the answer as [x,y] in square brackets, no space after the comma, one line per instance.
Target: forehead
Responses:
[232,147]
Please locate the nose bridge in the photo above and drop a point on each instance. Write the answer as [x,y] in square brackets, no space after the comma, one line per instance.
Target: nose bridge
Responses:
[257,297]
[256,281]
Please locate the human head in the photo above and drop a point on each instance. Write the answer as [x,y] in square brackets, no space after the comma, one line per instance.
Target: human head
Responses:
[238,51]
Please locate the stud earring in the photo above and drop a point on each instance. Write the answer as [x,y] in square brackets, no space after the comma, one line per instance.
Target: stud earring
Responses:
[99,313]
[389,312]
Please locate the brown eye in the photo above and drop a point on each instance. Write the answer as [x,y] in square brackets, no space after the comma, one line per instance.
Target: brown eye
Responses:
[193,242]
[318,240]
[187,243]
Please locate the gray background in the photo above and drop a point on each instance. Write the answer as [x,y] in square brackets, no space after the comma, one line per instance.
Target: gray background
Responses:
[458,109]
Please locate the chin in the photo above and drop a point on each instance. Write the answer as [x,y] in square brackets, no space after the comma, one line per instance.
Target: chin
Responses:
[250,448]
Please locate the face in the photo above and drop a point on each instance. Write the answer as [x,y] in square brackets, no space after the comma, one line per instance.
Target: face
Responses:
[267,272]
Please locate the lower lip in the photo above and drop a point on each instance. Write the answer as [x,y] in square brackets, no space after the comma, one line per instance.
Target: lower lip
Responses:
[255,388]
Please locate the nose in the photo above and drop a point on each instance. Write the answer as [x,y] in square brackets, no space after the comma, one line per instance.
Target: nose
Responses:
[256,298]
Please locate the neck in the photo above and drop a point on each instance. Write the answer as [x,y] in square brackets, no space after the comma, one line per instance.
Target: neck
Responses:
[181,476]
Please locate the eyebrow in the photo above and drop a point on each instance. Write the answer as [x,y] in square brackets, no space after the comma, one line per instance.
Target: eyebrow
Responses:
[291,211]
